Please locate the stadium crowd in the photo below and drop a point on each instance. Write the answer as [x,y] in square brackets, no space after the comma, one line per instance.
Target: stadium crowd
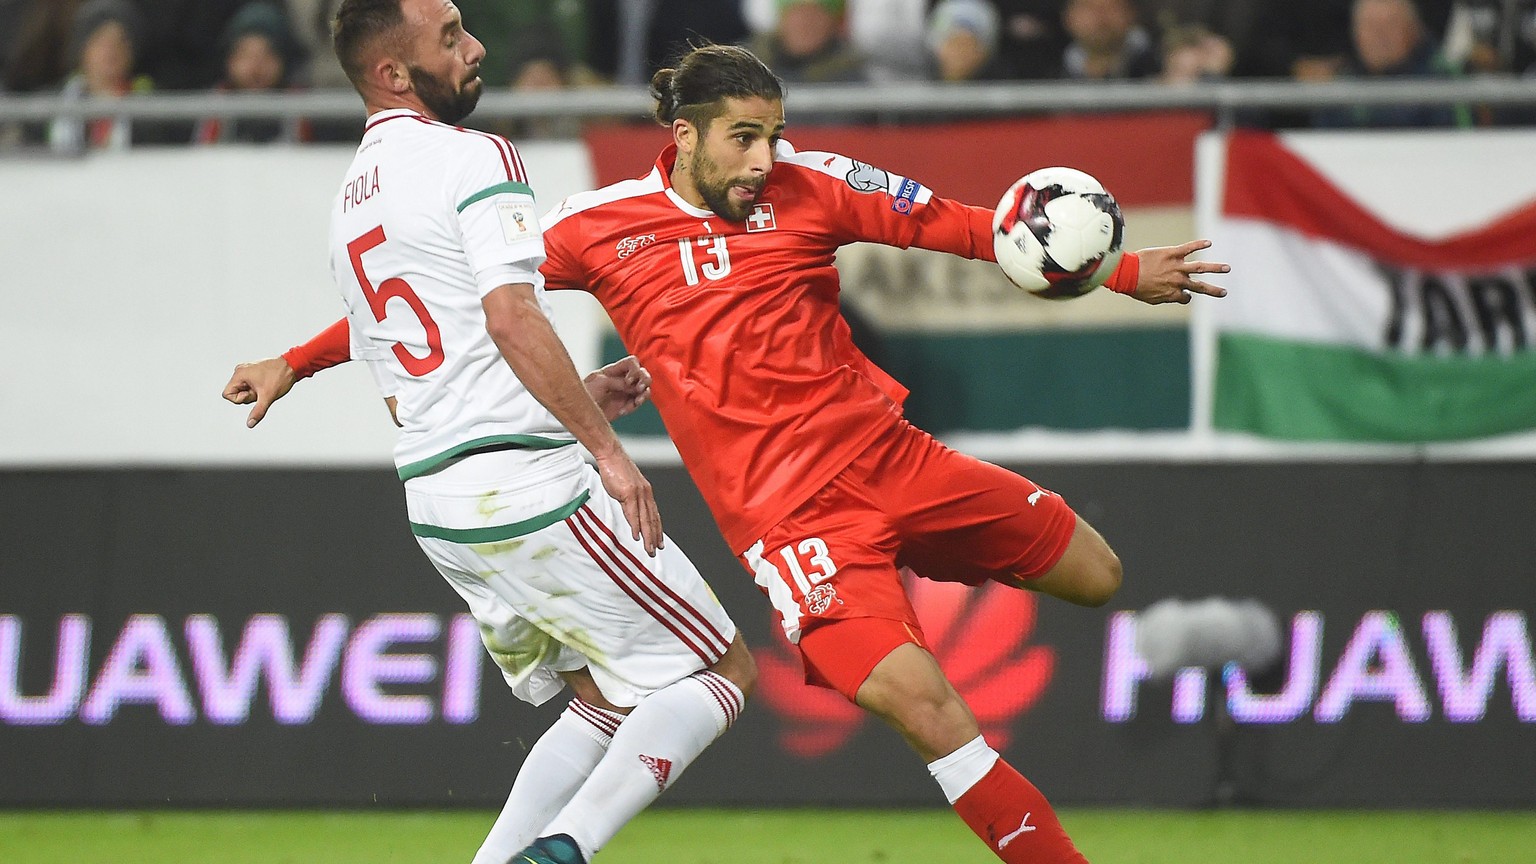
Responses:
[109,48]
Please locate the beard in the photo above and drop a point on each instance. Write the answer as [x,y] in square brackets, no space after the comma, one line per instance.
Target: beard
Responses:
[446,104]
[716,189]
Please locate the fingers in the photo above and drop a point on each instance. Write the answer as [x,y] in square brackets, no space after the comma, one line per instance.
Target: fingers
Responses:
[238,390]
[1207,267]
[653,535]
[258,412]
[1204,288]
[644,520]
[1184,250]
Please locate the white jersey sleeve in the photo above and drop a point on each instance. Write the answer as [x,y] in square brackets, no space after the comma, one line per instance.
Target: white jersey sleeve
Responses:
[498,222]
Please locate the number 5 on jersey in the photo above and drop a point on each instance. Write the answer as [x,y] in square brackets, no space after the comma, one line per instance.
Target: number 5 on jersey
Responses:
[378,301]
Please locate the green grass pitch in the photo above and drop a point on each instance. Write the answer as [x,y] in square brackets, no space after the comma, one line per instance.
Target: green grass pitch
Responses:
[687,836]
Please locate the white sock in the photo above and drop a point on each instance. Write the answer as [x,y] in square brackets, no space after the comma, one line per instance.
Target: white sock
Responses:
[556,766]
[660,738]
[964,768]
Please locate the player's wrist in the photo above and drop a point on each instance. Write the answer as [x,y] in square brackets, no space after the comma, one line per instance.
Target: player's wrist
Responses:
[300,363]
[1126,275]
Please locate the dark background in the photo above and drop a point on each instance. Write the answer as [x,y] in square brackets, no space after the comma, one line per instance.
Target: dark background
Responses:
[1339,538]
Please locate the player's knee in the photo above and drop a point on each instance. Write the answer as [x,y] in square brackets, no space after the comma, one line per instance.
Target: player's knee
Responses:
[1103,579]
[737,666]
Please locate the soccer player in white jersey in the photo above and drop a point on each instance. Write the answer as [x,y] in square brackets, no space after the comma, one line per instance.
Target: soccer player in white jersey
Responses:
[436,250]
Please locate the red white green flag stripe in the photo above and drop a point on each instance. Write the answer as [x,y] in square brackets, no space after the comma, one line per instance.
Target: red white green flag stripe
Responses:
[1342,327]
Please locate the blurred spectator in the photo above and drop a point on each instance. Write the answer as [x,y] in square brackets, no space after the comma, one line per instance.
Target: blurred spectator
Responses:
[631,39]
[1493,36]
[542,66]
[34,41]
[1391,41]
[1192,53]
[102,51]
[1106,41]
[1236,22]
[962,41]
[508,30]
[259,56]
[807,45]
[181,48]
[891,35]
[1031,39]
[310,21]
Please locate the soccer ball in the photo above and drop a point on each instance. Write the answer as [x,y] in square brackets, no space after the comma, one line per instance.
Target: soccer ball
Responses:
[1058,233]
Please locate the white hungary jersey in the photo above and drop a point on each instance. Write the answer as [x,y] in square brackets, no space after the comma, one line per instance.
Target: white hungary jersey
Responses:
[429,220]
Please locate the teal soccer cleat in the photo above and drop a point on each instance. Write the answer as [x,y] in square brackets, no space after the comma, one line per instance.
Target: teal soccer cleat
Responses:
[557,849]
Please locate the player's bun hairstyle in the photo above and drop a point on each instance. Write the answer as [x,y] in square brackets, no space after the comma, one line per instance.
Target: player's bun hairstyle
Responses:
[359,25]
[696,89]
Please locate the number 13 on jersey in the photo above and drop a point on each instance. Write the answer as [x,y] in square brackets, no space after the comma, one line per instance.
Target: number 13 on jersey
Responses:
[714,246]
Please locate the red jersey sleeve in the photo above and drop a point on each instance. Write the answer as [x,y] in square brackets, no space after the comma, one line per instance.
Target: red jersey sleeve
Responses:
[562,263]
[330,347]
[873,205]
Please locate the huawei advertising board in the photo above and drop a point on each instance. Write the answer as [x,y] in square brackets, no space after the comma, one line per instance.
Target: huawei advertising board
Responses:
[233,638]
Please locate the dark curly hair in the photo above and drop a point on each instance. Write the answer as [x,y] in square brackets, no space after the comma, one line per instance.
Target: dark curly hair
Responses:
[707,75]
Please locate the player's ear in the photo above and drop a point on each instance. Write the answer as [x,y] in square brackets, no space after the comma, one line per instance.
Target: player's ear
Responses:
[393,75]
[685,135]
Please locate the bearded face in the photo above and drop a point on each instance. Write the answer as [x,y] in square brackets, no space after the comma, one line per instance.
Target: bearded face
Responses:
[729,195]
[449,103]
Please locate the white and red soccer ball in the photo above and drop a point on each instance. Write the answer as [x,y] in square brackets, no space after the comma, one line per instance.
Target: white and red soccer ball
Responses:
[1058,233]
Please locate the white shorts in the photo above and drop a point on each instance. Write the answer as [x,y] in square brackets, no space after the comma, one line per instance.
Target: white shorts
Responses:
[543,556]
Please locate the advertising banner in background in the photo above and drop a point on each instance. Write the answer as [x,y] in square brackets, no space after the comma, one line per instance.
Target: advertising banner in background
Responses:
[275,638]
[1388,305]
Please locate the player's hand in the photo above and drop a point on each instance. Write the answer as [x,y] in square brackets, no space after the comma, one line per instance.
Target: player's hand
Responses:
[263,383]
[1166,277]
[620,387]
[623,480]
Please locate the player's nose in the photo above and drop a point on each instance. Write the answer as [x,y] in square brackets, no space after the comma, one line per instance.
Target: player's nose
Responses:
[760,158]
[475,52]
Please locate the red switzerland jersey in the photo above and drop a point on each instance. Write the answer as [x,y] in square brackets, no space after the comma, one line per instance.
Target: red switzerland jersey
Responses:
[752,364]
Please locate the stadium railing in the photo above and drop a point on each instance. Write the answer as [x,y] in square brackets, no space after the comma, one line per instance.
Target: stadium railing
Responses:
[1226,99]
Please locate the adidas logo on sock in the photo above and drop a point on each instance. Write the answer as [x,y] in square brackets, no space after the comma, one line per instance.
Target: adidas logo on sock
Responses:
[661,769]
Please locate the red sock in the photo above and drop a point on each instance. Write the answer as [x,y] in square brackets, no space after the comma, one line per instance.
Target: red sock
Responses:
[1014,819]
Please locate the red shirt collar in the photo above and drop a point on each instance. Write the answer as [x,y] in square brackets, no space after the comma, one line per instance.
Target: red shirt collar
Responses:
[664,163]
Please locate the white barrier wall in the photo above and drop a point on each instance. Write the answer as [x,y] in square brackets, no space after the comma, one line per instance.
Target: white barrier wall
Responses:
[131,284]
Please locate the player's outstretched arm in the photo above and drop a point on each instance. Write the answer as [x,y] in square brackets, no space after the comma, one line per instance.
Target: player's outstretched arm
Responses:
[1167,277]
[529,344]
[620,387]
[262,383]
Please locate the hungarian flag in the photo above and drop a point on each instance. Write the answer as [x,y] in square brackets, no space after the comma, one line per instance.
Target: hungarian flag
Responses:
[1341,327]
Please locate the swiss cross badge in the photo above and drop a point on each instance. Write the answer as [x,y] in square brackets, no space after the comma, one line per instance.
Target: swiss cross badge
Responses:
[761,218]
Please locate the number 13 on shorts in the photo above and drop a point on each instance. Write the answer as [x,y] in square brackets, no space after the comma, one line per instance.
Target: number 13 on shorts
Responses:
[809,563]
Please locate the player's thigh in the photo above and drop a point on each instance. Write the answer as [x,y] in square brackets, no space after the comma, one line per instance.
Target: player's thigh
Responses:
[650,620]
[640,622]
[829,570]
[531,659]
[965,520]
[832,558]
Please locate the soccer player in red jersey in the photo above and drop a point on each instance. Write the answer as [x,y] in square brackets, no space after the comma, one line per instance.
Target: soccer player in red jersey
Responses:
[717,271]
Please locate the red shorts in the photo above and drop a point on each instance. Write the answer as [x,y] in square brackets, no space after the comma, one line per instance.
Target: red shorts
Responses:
[906,501]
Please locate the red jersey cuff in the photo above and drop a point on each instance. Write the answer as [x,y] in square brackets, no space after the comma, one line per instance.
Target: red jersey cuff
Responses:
[330,347]
[1123,280]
